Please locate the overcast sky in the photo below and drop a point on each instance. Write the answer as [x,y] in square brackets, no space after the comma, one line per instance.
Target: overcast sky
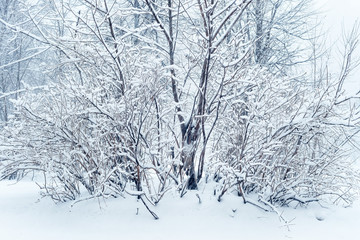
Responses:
[336,15]
[346,9]
[339,12]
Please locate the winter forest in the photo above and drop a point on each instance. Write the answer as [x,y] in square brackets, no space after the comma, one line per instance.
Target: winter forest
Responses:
[142,98]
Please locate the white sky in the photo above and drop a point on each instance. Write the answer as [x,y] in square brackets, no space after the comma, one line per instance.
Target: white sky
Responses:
[338,10]
[337,16]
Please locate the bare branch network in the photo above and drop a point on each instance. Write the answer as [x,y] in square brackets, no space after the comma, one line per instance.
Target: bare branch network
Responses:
[109,98]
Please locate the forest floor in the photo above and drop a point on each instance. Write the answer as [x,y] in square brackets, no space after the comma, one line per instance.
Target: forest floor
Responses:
[25,215]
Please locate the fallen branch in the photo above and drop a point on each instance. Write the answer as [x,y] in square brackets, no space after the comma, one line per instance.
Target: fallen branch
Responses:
[151,212]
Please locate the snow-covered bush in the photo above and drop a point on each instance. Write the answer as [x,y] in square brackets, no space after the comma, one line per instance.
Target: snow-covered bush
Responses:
[84,137]
[149,96]
[285,142]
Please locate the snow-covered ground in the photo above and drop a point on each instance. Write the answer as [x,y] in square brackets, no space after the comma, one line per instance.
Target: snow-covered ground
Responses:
[23,215]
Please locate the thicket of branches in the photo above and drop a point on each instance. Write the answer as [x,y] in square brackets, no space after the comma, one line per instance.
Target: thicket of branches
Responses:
[147,96]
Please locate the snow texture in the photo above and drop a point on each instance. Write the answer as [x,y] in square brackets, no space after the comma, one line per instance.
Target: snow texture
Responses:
[23,216]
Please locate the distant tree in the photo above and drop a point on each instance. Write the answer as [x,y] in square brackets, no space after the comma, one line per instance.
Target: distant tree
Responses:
[11,48]
[19,56]
[147,96]
[281,30]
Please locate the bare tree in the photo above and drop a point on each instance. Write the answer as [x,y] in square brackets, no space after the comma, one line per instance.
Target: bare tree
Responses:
[281,29]
[143,91]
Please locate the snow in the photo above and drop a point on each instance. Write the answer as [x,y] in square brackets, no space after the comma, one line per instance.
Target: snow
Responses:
[198,215]
[24,215]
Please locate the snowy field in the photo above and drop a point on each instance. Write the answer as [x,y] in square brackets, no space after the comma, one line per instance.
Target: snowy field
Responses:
[24,216]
